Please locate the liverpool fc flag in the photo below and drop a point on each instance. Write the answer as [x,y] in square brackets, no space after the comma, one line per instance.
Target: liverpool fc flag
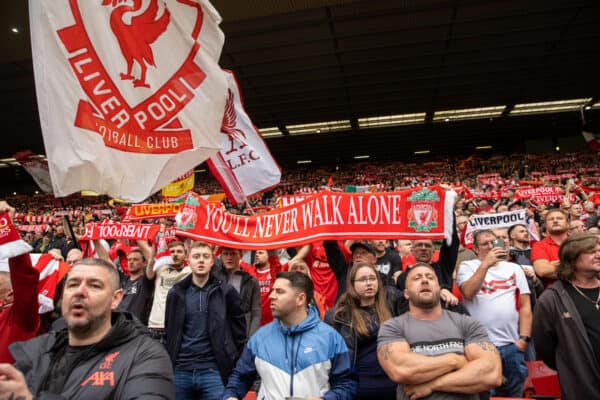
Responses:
[130,94]
[244,166]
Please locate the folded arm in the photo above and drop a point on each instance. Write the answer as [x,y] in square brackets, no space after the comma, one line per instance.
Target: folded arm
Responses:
[403,366]
[482,372]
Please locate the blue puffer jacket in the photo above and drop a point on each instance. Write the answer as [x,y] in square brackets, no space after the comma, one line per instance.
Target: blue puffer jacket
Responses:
[305,360]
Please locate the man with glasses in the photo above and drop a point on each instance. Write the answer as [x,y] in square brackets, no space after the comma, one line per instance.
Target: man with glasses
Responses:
[576,226]
[491,288]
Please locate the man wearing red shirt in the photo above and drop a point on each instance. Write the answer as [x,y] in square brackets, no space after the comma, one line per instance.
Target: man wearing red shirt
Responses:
[266,267]
[322,275]
[544,254]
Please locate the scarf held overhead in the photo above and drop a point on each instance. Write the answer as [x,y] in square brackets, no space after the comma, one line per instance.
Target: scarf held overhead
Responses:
[409,214]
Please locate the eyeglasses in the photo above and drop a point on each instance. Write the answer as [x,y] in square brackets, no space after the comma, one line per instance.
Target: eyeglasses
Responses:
[366,279]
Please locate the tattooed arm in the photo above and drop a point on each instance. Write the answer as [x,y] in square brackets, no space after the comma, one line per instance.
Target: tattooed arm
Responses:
[482,372]
[404,366]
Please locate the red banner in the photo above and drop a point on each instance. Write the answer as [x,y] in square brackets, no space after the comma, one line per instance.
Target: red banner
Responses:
[32,228]
[138,212]
[410,214]
[543,195]
[95,231]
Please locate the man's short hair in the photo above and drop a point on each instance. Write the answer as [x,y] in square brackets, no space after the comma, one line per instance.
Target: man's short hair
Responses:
[571,249]
[513,227]
[98,262]
[478,233]
[175,243]
[557,210]
[140,252]
[200,245]
[301,282]
[417,265]
[231,249]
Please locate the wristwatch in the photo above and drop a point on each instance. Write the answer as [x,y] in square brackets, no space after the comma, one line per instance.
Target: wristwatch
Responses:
[526,339]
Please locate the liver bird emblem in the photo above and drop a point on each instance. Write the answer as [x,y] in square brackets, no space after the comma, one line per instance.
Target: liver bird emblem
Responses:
[229,123]
[136,37]
[108,360]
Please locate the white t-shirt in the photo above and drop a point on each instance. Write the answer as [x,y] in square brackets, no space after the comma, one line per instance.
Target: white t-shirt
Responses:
[165,279]
[495,304]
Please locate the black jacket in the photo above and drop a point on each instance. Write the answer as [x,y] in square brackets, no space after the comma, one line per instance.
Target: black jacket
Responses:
[342,323]
[562,342]
[125,364]
[337,263]
[444,267]
[227,324]
[249,296]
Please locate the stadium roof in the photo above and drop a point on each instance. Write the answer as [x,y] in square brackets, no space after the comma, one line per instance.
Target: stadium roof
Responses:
[329,80]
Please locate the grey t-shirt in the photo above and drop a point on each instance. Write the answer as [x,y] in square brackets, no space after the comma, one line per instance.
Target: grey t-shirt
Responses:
[448,334]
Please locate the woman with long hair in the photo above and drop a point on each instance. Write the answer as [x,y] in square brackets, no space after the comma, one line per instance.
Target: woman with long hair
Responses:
[357,316]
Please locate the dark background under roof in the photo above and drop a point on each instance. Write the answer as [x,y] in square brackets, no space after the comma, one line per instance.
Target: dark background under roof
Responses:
[317,60]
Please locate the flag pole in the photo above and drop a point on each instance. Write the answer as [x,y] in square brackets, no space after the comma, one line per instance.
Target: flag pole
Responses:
[68,220]
[249,207]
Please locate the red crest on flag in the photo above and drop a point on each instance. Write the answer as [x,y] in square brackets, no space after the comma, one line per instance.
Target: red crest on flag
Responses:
[131,112]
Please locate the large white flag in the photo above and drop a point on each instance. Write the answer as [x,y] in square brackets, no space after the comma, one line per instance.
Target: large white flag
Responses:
[244,166]
[130,94]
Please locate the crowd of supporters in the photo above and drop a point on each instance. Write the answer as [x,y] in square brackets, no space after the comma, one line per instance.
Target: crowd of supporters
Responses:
[342,319]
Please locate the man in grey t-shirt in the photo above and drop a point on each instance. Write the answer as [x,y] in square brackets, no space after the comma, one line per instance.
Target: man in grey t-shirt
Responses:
[435,353]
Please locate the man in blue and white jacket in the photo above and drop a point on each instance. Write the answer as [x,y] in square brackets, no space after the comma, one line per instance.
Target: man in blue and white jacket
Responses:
[296,355]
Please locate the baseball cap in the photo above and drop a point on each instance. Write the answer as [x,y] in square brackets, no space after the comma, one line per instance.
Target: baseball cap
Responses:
[364,244]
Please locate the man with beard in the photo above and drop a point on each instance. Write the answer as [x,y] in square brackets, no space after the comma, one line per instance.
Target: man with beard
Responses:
[544,253]
[520,251]
[166,276]
[436,353]
[297,356]
[102,354]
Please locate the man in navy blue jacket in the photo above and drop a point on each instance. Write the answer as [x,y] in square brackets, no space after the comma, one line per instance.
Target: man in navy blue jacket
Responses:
[205,329]
[297,355]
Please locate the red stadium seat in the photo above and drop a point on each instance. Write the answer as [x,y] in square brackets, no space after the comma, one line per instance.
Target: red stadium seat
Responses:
[542,382]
